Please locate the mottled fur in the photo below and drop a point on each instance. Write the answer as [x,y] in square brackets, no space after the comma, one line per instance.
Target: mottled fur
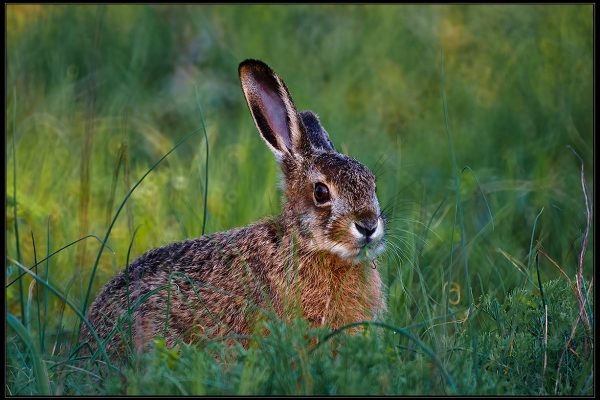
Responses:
[312,257]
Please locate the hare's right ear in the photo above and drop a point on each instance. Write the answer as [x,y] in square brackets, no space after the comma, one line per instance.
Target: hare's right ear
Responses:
[272,108]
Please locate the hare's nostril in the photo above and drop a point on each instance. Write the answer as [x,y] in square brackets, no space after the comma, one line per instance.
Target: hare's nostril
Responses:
[366,228]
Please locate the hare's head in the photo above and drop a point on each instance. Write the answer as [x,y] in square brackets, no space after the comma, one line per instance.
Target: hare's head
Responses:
[330,197]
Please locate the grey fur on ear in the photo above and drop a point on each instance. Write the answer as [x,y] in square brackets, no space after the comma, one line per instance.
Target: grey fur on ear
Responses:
[316,134]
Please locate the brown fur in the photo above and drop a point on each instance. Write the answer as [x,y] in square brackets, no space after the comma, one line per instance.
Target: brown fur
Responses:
[221,283]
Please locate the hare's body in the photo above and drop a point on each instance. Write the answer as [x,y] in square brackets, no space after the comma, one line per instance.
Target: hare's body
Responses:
[228,294]
[317,257]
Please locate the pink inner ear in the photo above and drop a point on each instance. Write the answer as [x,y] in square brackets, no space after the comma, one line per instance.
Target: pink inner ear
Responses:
[276,115]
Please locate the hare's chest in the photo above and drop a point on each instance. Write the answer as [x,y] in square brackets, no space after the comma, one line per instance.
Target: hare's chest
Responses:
[338,297]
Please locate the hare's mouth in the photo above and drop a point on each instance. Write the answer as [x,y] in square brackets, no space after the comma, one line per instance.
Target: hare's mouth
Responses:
[366,251]
[369,250]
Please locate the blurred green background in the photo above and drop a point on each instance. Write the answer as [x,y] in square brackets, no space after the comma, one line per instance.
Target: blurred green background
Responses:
[96,95]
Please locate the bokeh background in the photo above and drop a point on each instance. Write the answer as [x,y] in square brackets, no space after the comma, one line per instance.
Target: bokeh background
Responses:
[95,95]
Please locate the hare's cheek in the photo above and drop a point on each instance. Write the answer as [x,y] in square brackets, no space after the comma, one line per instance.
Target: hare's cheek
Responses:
[304,223]
[310,225]
[321,218]
[339,232]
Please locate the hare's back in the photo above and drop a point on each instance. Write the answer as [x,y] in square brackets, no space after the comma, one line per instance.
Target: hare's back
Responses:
[221,269]
[207,259]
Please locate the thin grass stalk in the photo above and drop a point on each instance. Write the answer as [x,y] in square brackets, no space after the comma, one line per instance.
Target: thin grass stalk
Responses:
[127,180]
[205,170]
[113,183]
[168,310]
[588,221]
[30,296]
[545,342]
[59,325]
[571,336]
[532,235]
[540,251]
[37,297]
[130,330]
[46,290]
[18,249]
[545,307]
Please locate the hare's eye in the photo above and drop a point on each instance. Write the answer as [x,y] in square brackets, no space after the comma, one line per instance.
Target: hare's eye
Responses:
[321,193]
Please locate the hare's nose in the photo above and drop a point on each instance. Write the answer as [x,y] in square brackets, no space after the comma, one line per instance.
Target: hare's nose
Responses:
[366,228]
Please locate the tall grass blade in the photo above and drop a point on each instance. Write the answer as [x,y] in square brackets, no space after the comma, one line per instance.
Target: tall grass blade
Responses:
[531,240]
[205,168]
[130,330]
[588,221]
[17,244]
[39,370]
[46,290]
[113,183]
[37,297]
[59,325]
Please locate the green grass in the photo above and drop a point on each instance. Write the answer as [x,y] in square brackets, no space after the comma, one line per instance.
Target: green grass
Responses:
[467,114]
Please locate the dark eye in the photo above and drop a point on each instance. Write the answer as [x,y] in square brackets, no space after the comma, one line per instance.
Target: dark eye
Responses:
[321,193]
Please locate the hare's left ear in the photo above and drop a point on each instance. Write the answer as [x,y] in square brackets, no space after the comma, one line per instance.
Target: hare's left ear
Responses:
[315,133]
[272,108]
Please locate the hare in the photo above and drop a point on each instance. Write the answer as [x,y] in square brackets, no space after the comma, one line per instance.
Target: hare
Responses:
[318,256]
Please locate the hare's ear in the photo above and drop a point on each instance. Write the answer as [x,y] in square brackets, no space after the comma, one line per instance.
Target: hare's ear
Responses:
[272,108]
[316,134]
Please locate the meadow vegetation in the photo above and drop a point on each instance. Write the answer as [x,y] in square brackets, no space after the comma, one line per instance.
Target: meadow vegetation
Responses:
[477,120]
